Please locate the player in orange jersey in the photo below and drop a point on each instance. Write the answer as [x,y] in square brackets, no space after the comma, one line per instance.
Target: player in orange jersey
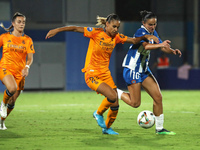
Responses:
[15,63]
[97,73]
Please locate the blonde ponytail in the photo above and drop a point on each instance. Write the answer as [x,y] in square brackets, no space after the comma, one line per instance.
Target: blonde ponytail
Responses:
[101,21]
[6,29]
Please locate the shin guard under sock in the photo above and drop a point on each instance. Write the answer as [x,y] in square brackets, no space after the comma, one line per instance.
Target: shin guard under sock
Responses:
[105,104]
[6,96]
[111,116]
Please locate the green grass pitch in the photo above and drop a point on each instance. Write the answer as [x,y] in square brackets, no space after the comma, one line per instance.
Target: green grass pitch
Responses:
[63,121]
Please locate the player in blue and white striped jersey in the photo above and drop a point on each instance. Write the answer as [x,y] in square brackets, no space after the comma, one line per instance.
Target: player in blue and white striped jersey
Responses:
[138,57]
[137,74]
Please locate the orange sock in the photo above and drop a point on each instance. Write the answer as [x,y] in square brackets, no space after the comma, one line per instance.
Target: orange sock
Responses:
[105,104]
[111,116]
[6,96]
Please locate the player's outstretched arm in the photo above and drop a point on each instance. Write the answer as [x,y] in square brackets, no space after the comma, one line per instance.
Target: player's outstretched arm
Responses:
[138,39]
[149,46]
[169,50]
[53,32]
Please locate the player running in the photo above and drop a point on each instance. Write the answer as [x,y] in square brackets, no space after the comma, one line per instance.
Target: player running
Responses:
[137,74]
[17,47]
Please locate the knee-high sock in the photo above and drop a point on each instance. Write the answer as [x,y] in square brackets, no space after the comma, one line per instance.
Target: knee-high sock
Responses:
[111,116]
[6,96]
[105,104]
[9,109]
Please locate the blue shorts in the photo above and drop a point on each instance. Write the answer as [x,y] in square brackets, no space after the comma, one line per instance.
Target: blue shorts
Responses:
[132,77]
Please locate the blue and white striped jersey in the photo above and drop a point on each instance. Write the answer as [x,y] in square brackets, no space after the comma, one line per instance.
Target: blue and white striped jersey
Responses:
[137,58]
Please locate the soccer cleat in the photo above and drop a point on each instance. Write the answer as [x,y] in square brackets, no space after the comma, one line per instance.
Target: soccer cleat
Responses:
[165,132]
[2,125]
[99,119]
[3,110]
[109,131]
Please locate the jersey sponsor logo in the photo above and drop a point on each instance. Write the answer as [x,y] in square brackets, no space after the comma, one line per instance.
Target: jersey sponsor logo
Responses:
[16,48]
[106,46]
[9,41]
[89,29]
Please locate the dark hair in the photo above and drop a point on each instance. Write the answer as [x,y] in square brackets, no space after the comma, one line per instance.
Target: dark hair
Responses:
[101,21]
[17,14]
[147,15]
[112,17]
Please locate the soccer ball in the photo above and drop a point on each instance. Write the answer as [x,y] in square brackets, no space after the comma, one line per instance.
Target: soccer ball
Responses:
[146,119]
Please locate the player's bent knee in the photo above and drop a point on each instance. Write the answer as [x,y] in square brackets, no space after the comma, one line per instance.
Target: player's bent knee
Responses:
[12,89]
[158,100]
[135,105]
[111,100]
[113,97]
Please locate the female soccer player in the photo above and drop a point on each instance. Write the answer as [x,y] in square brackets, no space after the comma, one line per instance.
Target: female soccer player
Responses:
[136,71]
[15,63]
[97,73]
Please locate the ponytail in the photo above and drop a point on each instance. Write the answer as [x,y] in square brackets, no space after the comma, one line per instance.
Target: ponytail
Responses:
[101,21]
[17,14]
[6,29]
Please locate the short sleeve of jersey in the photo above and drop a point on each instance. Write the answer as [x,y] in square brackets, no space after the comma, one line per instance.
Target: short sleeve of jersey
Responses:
[30,47]
[1,40]
[140,32]
[89,31]
[120,38]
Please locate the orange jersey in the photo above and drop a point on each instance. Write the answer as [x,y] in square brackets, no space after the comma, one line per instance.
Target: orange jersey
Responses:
[100,49]
[15,50]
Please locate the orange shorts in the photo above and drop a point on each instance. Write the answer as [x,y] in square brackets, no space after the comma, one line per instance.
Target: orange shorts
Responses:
[94,80]
[18,79]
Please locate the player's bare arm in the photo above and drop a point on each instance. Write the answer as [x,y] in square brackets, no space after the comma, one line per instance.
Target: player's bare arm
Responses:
[29,61]
[53,32]
[149,46]
[169,50]
[172,51]
[138,39]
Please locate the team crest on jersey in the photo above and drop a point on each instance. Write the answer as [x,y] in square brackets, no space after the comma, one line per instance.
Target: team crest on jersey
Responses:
[89,29]
[9,41]
[23,42]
